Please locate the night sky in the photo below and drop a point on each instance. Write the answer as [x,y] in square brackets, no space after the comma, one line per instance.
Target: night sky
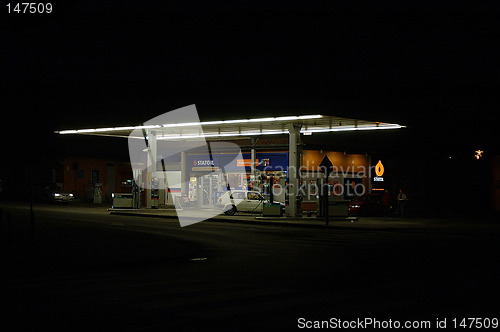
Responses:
[433,68]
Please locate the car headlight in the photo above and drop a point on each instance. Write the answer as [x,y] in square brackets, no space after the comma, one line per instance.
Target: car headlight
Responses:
[70,195]
[355,206]
[57,195]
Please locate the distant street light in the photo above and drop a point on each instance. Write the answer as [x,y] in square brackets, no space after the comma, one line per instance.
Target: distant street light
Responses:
[479,154]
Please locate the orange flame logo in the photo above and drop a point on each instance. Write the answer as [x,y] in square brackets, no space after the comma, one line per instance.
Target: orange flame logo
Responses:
[379,169]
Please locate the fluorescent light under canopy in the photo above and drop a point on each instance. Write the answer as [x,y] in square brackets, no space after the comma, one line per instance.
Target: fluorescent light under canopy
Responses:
[309,124]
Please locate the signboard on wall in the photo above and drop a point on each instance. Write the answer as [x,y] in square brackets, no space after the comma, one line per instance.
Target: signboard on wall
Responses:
[264,161]
[246,162]
[205,169]
[377,172]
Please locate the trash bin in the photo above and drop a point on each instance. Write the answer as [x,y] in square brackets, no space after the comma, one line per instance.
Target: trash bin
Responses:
[272,210]
[122,200]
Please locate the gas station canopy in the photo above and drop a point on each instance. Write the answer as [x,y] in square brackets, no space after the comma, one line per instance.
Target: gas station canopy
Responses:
[214,130]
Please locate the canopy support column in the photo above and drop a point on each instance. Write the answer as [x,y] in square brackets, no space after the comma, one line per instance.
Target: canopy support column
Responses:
[293,168]
[152,156]
[184,174]
[252,164]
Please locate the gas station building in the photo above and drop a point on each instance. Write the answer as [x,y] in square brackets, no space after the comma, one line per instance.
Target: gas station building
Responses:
[272,156]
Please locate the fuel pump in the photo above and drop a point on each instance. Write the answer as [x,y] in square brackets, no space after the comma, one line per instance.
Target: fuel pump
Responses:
[155,192]
[136,195]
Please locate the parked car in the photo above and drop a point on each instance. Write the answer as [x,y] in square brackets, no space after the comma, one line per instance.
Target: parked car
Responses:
[242,201]
[50,193]
[367,205]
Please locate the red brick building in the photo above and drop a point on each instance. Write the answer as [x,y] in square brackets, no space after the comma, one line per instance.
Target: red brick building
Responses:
[82,175]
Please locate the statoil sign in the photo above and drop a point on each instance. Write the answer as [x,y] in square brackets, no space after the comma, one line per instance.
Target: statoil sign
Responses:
[206,162]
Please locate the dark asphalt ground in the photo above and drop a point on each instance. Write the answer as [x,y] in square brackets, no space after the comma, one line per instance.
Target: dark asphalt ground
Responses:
[86,270]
